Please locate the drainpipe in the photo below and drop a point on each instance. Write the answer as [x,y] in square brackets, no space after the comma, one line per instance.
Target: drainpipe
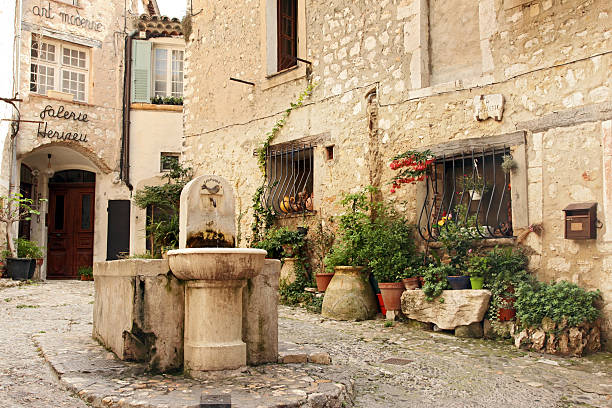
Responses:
[124,164]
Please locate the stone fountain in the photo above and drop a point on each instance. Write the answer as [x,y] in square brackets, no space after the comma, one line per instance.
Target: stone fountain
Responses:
[216,274]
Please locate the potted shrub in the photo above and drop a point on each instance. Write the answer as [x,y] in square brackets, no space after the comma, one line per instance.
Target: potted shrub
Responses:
[390,251]
[14,208]
[475,186]
[477,267]
[86,273]
[321,242]
[411,278]
[24,265]
[349,295]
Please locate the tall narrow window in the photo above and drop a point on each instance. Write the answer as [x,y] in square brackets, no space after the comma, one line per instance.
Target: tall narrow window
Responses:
[287,33]
[167,73]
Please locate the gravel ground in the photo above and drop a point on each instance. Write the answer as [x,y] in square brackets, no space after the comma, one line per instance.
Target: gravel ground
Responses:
[433,369]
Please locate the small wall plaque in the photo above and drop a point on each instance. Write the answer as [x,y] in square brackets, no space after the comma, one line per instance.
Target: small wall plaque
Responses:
[489,106]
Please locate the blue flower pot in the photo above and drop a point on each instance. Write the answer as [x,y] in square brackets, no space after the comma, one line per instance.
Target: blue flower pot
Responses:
[459,282]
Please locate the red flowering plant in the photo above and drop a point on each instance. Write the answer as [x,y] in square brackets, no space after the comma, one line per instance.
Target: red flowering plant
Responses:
[412,166]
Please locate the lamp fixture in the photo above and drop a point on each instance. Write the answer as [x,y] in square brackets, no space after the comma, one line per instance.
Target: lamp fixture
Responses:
[49,171]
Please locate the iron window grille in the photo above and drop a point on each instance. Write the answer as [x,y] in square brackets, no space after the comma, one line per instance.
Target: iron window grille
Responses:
[290,179]
[475,180]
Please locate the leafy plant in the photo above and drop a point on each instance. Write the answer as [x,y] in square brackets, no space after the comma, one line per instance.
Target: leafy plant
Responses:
[508,164]
[14,208]
[28,249]
[457,237]
[85,271]
[277,238]
[562,302]
[435,280]
[169,100]
[478,266]
[475,183]
[164,202]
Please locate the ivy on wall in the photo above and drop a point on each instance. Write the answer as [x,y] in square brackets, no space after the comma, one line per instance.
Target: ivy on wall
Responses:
[263,217]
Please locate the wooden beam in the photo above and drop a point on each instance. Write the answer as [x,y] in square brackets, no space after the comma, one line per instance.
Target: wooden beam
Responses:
[477,143]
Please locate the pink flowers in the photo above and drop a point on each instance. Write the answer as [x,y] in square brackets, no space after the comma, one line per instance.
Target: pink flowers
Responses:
[413,167]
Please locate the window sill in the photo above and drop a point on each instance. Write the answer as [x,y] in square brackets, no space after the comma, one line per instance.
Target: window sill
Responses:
[155,107]
[484,243]
[296,215]
[287,75]
[35,95]
[68,5]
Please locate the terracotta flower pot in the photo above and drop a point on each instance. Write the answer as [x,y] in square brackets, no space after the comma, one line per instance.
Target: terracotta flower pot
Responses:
[411,283]
[86,278]
[506,314]
[391,294]
[323,280]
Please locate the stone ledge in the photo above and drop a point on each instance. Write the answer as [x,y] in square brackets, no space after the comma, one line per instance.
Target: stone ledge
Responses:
[97,377]
[459,308]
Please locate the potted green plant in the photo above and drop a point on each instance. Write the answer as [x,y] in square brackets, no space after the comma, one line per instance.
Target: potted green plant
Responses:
[86,273]
[477,267]
[349,295]
[411,278]
[14,208]
[321,242]
[475,186]
[389,250]
[457,242]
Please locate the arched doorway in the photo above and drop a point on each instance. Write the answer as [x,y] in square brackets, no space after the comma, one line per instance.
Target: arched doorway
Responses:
[70,223]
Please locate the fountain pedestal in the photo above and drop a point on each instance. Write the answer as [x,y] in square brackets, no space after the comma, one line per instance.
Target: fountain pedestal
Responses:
[213,326]
[213,304]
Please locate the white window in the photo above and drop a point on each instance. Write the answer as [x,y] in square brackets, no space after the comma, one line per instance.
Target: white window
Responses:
[167,72]
[59,66]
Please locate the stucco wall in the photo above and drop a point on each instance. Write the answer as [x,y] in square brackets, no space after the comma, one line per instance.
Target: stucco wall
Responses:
[550,59]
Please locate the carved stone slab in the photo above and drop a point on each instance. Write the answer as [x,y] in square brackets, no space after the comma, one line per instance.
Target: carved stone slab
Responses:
[489,106]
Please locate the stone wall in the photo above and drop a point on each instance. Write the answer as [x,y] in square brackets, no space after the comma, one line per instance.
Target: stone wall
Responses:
[425,61]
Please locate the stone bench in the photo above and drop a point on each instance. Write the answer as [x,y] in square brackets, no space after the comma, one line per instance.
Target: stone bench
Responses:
[459,308]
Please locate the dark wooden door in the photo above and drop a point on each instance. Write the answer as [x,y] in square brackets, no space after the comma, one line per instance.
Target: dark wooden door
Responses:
[71,229]
[118,238]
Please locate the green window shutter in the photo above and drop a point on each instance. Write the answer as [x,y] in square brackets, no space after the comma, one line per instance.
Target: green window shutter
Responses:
[141,71]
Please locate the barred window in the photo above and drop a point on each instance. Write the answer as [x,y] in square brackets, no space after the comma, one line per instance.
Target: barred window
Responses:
[290,179]
[58,66]
[476,182]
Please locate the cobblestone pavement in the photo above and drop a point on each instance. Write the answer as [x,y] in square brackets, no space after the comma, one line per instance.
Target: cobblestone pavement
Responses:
[431,369]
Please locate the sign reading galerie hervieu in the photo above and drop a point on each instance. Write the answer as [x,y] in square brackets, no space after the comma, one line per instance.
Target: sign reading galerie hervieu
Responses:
[61,113]
[68,18]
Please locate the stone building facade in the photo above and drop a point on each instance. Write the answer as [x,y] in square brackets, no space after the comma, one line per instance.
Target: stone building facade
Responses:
[73,146]
[394,75]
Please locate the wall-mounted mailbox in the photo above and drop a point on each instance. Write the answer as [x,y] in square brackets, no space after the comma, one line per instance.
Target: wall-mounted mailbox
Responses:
[581,221]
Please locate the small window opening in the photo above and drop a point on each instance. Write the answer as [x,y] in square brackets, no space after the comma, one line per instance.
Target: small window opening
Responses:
[168,161]
[287,33]
[329,152]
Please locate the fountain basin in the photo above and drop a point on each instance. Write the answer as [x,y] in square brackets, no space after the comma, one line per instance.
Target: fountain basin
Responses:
[216,263]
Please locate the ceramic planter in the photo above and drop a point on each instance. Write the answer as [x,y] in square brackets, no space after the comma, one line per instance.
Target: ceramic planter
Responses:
[349,295]
[459,282]
[411,283]
[86,278]
[475,194]
[323,280]
[392,294]
[506,314]
[20,268]
[477,282]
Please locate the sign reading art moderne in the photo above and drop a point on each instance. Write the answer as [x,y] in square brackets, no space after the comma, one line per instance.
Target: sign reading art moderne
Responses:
[61,113]
[68,18]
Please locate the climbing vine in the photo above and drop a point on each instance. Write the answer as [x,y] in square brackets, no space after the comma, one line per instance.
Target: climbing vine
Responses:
[263,217]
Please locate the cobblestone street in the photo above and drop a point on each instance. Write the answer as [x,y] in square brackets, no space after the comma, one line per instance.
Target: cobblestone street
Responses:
[431,369]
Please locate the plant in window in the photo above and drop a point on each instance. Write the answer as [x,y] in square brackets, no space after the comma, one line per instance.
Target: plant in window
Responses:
[412,166]
[475,183]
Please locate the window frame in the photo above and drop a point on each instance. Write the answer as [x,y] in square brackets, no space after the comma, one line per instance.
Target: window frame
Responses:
[168,80]
[281,52]
[60,67]
[162,155]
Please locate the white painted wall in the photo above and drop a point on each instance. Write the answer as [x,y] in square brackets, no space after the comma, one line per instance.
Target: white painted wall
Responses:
[7,79]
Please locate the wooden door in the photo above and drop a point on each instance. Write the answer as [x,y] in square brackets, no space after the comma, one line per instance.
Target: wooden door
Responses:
[71,231]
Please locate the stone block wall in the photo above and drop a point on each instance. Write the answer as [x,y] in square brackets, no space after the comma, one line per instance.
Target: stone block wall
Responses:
[550,59]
